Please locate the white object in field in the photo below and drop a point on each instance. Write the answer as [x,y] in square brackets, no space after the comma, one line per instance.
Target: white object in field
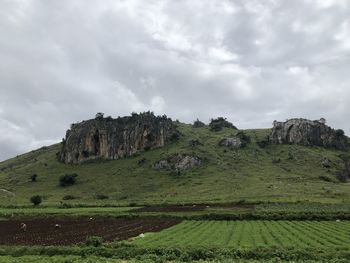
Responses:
[338,220]
[57,226]
[24,227]
[142,235]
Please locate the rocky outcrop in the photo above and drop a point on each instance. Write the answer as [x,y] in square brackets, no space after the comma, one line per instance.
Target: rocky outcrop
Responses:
[231,142]
[307,132]
[108,138]
[178,162]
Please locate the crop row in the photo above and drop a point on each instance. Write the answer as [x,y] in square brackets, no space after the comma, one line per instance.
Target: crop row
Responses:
[252,234]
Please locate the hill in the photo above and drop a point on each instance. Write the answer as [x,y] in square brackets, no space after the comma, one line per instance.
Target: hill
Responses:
[253,172]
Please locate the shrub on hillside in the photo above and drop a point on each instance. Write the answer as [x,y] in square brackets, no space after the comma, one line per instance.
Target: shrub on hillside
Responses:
[68,197]
[264,142]
[36,200]
[33,177]
[198,124]
[68,179]
[340,133]
[245,139]
[219,123]
[94,241]
[102,197]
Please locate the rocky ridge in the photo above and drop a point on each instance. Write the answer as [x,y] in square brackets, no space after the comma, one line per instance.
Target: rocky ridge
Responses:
[308,133]
[108,138]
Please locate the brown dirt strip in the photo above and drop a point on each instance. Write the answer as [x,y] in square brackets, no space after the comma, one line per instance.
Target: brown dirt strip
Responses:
[42,231]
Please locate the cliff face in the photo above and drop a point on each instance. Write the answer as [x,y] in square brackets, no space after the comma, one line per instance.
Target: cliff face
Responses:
[107,138]
[307,132]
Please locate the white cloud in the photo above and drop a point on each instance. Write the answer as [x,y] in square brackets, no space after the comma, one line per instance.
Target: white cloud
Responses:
[251,61]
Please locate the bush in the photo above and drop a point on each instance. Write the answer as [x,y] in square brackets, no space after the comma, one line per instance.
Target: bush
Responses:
[36,200]
[68,197]
[198,124]
[219,123]
[94,241]
[102,197]
[175,137]
[339,133]
[33,177]
[325,178]
[245,139]
[263,143]
[68,179]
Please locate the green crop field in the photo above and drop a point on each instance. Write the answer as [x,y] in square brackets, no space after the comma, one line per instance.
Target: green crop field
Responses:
[252,234]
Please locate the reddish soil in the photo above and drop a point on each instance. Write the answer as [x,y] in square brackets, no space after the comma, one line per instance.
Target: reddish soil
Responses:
[190,208]
[42,231]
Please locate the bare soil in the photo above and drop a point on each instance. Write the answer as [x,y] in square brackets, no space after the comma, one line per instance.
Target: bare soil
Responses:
[42,231]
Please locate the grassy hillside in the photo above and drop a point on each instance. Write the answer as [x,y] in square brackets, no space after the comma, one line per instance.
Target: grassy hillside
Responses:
[283,173]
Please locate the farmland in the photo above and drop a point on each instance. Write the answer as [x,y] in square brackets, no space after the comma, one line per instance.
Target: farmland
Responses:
[252,234]
[76,230]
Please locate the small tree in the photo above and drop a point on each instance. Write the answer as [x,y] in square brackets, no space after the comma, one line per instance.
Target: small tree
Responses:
[340,133]
[36,200]
[68,179]
[99,115]
[33,177]
[198,124]
[219,123]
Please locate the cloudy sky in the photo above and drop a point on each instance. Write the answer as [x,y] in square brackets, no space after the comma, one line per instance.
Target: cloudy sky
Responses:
[251,61]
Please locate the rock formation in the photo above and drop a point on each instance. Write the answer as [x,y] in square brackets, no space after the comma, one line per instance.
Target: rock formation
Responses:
[107,138]
[231,142]
[178,162]
[307,132]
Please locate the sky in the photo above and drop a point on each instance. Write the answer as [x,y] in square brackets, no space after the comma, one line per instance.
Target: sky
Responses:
[250,61]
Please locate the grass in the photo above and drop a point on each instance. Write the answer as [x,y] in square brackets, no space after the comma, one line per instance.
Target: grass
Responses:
[75,211]
[252,235]
[93,259]
[250,174]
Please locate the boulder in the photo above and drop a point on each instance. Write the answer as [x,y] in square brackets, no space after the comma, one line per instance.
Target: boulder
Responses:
[179,162]
[231,142]
[326,163]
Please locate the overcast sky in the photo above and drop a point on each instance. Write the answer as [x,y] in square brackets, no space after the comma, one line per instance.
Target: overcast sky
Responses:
[251,61]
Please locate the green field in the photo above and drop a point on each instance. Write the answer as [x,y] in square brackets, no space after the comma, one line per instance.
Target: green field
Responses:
[252,234]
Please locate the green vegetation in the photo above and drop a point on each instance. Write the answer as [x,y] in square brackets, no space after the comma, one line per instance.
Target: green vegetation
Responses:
[252,234]
[74,211]
[227,175]
[150,259]
[36,200]
[130,252]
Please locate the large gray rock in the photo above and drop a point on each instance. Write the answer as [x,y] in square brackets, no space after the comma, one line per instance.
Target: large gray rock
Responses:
[107,138]
[179,162]
[231,142]
[307,132]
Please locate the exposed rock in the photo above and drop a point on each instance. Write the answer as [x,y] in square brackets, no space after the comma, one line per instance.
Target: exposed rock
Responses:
[178,162]
[107,138]
[231,142]
[307,132]
[326,163]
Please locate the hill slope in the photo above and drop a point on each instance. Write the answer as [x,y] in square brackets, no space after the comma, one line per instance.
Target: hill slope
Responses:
[285,173]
